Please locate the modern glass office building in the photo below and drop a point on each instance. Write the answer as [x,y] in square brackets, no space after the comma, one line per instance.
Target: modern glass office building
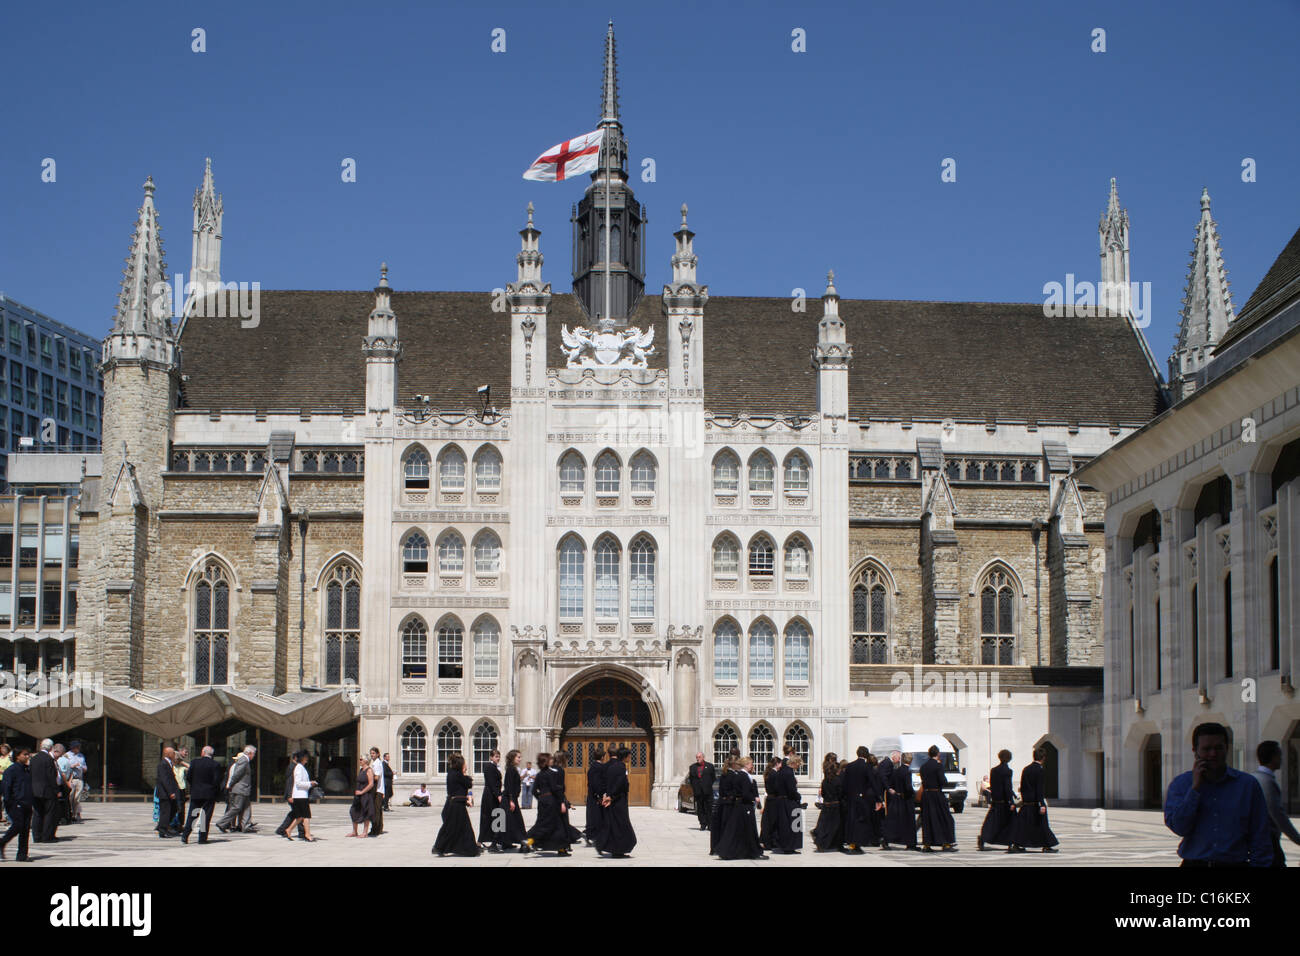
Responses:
[48,370]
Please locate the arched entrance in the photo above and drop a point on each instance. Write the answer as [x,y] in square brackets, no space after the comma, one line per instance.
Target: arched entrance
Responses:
[610,711]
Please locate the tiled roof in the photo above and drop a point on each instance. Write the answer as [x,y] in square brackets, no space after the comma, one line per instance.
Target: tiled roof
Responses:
[1284,271]
[982,361]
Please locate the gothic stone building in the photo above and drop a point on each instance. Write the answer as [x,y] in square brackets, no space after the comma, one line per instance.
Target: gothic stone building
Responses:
[677,521]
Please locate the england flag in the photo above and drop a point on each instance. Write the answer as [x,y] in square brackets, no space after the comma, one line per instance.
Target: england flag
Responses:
[571,158]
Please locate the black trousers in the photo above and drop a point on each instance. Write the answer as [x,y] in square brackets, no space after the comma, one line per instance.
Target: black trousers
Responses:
[166,810]
[704,809]
[20,827]
[178,810]
[45,818]
[204,809]
[1279,860]
[288,818]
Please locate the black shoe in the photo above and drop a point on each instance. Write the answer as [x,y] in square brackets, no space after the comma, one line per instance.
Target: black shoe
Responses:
[185,838]
[203,839]
[279,831]
[223,829]
[164,836]
[22,859]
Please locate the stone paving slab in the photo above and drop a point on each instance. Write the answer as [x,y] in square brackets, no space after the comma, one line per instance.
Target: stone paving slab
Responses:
[121,834]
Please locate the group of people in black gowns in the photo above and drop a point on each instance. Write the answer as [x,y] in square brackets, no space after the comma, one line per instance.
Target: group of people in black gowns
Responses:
[1023,825]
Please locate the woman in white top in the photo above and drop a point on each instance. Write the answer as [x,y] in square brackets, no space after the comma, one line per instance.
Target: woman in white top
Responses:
[302,784]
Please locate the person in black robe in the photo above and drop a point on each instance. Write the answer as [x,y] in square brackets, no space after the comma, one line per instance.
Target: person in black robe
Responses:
[829,832]
[701,777]
[1031,827]
[558,762]
[548,830]
[595,794]
[618,838]
[1000,819]
[937,825]
[457,833]
[900,803]
[860,800]
[790,834]
[491,802]
[773,806]
[725,803]
[739,838]
[514,832]
[879,785]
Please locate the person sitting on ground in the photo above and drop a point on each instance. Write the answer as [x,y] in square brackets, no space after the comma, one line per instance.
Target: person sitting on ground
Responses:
[419,798]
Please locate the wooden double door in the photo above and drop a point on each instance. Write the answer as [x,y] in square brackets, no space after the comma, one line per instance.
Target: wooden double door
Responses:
[580,749]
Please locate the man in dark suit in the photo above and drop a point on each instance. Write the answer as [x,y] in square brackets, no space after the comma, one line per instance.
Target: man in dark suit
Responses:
[16,792]
[702,774]
[388,782]
[860,799]
[167,792]
[46,781]
[205,782]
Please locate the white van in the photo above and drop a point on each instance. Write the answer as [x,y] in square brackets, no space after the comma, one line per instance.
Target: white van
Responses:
[918,745]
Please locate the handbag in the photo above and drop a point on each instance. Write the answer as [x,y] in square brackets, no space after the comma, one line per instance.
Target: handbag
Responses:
[316,795]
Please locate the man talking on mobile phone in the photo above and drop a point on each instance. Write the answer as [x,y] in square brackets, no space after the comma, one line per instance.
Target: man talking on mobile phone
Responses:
[1219,812]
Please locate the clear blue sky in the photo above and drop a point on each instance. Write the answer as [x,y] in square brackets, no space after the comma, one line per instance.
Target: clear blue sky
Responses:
[791,163]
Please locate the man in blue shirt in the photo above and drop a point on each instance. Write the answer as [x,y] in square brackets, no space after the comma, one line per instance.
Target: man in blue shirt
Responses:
[1218,811]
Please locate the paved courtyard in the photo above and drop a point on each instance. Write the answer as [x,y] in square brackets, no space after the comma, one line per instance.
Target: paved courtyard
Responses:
[121,834]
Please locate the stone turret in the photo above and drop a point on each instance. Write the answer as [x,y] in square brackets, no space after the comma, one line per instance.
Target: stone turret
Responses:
[1207,306]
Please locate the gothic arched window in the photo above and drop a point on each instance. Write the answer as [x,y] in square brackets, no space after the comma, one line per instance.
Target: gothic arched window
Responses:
[411,745]
[797,557]
[487,553]
[415,554]
[451,650]
[451,470]
[725,739]
[415,470]
[449,742]
[487,650]
[726,473]
[343,626]
[641,582]
[607,474]
[643,473]
[761,473]
[487,470]
[483,742]
[762,653]
[997,618]
[605,559]
[571,561]
[451,553]
[870,617]
[726,557]
[726,652]
[573,474]
[211,625]
[798,650]
[761,557]
[796,472]
[797,739]
[415,650]
[762,745]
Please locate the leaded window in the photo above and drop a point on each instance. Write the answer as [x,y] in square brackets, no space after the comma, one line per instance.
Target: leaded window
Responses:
[211,626]
[343,627]
[762,745]
[726,473]
[870,618]
[483,742]
[798,649]
[605,560]
[761,473]
[725,739]
[762,653]
[571,578]
[997,619]
[796,473]
[796,558]
[451,470]
[449,742]
[641,584]
[761,557]
[415,650]
[796,738]
[607,474]
[412,748]
[726,652]
[487,643]
[726,556]
[416,470]
[487,553]
[573,474]
[487,470]
[451,553]
[643,472]
[415,554]
[451,651]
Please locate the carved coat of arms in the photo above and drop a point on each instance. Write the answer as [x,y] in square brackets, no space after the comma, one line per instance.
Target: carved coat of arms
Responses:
[607,347]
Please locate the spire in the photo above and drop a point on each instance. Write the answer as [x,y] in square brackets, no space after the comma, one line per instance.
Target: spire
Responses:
[143,305]
[831,327]
[1113,232]
[205,258]
[614,150]
[684,259]
[831,356]
[381,349]
[1207,305]
[530,257]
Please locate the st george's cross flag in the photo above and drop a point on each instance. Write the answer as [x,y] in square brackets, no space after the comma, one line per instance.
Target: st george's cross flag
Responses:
[571,158]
